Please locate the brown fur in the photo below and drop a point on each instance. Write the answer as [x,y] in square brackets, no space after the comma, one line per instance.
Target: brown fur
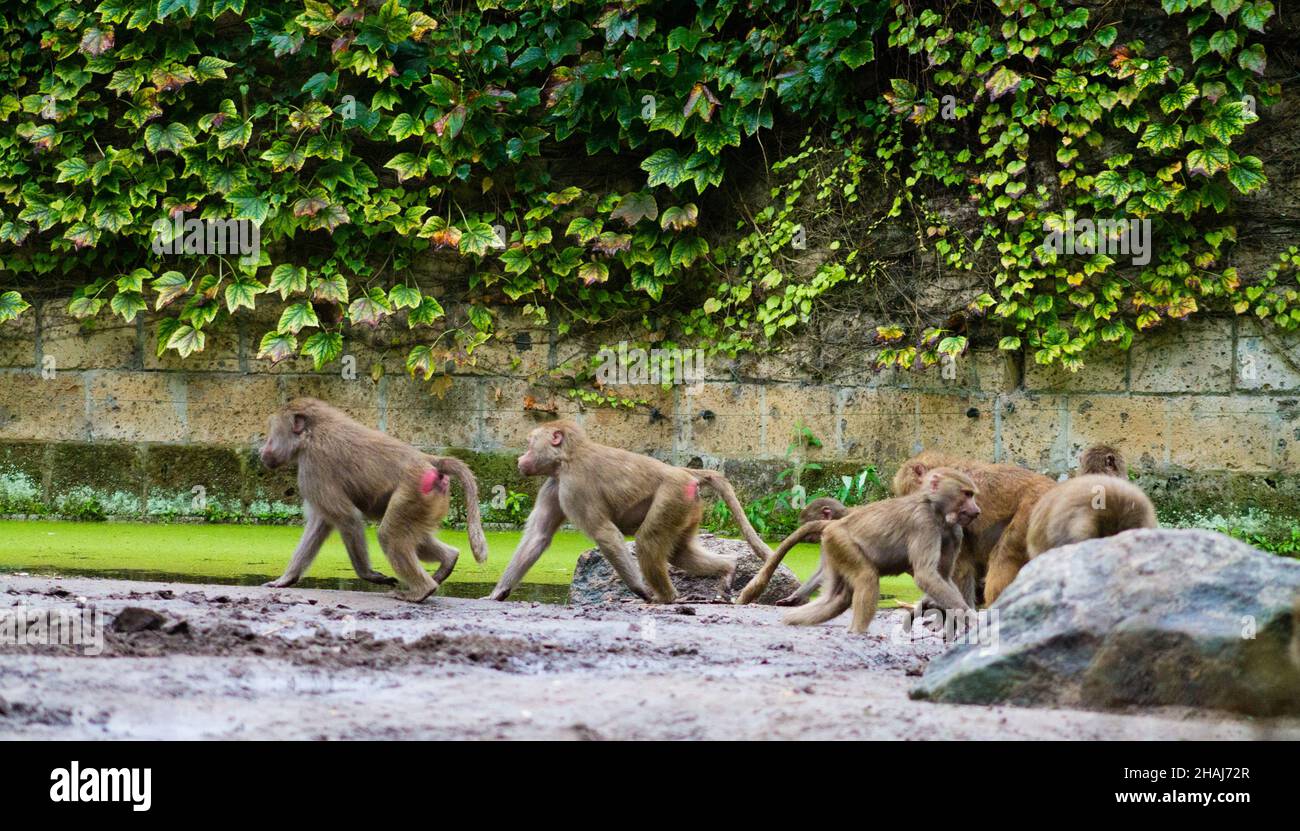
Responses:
[919,533]
[1087,507]
[812,519]
[1007,495]
[348,473]
[1104,467]
[606,493]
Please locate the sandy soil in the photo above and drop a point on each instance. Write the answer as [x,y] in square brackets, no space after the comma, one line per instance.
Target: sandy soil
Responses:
[232,662]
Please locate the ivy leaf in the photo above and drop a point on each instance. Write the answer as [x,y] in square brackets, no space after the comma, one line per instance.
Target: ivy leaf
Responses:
[477,238]
[1255,15]
[288,279]
[210,67]
[243,293]
[665,167]
[1224,42]
[404,126]
[591,273]
[234,132]
[1009,343]
[82,235]
[186,340]
[250,204]
[166,7]
[82,306]
[297,317]
[687,251]
[12,304]
[14,232]
[1247,174]
[859,53]
[1111,183]
[421,359]
[277,346]
[331,289]
[1252,58]
[1207,160]
[323,348]
[634,207]
[1160,137]
[1225,8]
[127,304]
[408,166]
[370,309]
[169,285]
[284,156]
[404,297]
[1179,99]
[425,314]
[173,138]
[96,41]
[1001,82]
[680,217]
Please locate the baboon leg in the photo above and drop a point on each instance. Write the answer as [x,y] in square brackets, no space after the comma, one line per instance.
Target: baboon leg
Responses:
[313,535]
[612,547]
[353,533]
[835,598]
[432,549]
[943,592]
[404,525]
[963,575]
[546,518]
[1004,564]
[658,539]
[692,558]
[800,595]
[866,596]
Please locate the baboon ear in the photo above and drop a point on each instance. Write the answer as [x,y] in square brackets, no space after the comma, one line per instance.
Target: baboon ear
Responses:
[919,470]
[557,438]
[299,423]
[1110,461]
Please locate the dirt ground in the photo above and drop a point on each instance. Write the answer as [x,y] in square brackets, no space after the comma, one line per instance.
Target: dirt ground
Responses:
[225,662]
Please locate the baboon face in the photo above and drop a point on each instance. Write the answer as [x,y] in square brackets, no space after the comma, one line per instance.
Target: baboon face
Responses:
[284,436]
[954,494]
[546,448]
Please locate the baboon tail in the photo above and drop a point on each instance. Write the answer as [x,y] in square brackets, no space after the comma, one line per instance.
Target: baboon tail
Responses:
[473,520]
[722,488]
[756,586]
[831,605]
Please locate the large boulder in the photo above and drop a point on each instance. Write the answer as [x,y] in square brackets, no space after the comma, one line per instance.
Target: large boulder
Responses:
[594,579]
[1149,617]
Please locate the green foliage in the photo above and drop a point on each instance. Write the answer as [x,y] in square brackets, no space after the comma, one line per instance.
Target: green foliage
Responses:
[362,138]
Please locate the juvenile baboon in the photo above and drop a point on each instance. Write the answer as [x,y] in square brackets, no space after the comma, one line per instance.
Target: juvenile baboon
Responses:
[347,473]
[1070,516]
[1007,494]
[606,493]
[919,533]
[812,519]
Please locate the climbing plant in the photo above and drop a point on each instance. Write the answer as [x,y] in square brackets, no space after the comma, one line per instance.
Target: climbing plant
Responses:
[361,138]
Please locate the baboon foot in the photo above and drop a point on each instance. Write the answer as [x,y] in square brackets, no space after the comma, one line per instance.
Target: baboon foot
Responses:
[279,583]
[498,594]
[790,600]
[416,595]
[381,579]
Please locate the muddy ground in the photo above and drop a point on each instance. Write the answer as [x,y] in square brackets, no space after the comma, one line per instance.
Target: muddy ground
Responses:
[227,662]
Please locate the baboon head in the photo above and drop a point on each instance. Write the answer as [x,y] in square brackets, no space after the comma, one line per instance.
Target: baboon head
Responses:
[953,494]
[286,432]
[548,446]
[1103,459]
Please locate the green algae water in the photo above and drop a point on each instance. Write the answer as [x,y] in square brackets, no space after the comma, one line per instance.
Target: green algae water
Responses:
[253,554]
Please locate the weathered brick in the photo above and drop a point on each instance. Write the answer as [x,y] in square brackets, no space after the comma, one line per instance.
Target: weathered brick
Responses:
[791,406]
[1133,424]
[103,342]
[18,341]
[1221,432]
[32,407]
[230,409]
[1103,371]
[359,398]
[962,425]
[649,428]
[994,370]
[173,473]
[878,425]
[512,408]
[1267,358]
[418,416]
[723,420]
[1194,356]
[136,406]
[1033,432]
[108,474]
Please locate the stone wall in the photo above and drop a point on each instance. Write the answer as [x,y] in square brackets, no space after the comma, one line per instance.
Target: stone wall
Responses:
[89,415]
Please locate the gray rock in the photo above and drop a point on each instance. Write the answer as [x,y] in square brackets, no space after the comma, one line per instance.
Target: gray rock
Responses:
[1147,618]
[594,580]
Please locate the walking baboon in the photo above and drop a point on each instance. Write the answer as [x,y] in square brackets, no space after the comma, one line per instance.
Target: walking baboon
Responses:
[606,493]
[1087,506]
[919,533]
[812,519]
[347,473]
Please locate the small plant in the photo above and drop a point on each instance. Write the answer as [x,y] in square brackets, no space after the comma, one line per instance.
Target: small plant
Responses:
[513,510]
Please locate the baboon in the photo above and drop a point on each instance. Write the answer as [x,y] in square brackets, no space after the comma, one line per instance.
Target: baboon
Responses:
[606,493]
[1007,494]
[347,473]
[1070,513]
[822,508]
[919,533]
